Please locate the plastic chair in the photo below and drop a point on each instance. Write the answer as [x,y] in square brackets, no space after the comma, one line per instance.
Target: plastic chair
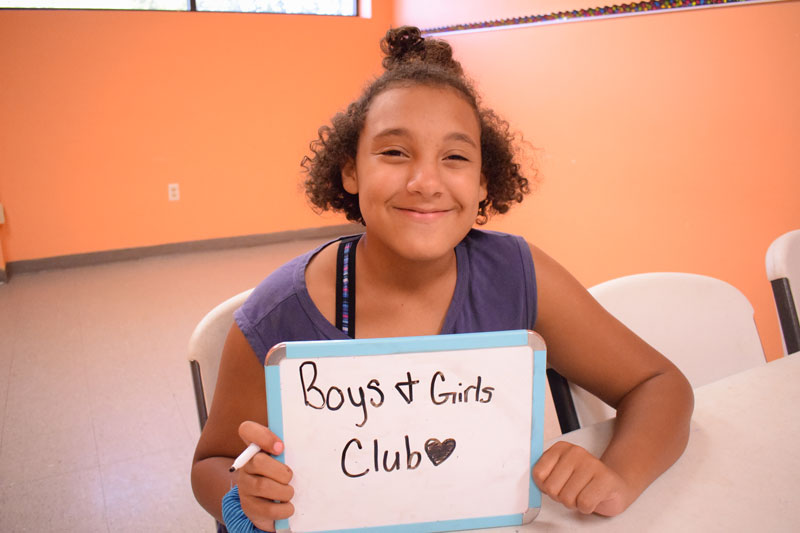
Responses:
[703,325]
[205,350]
[783,272]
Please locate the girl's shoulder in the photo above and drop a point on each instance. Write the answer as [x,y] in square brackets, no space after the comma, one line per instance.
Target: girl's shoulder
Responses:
[277,286]
[491,237]
[497,283]
[280,308]
[286,281]
[492,248]
[273,297]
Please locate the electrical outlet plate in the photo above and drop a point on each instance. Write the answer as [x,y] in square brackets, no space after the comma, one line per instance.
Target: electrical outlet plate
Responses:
[173,192]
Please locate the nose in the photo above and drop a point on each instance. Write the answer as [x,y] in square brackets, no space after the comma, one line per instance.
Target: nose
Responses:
[425,179]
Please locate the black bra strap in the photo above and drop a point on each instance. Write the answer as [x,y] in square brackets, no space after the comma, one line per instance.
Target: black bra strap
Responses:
[346,286]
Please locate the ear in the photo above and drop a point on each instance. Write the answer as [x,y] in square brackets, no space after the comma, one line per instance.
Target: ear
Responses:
[349,177]
[484,190]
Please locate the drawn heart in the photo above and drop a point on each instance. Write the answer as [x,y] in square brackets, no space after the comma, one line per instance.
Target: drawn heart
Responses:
[439,451]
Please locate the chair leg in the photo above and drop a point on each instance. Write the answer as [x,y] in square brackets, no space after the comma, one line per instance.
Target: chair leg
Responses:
[787,313]
[562,399]
[199,397]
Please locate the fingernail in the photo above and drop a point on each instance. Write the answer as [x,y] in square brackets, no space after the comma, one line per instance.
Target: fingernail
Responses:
[277,447]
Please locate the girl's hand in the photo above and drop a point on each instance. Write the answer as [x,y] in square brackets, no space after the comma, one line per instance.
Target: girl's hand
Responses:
[264,489]
[574,477]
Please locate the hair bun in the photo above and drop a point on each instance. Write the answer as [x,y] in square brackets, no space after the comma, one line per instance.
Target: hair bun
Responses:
[405,45]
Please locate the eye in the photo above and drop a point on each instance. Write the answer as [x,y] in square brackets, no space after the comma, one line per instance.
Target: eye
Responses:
[456,157]
[392,153]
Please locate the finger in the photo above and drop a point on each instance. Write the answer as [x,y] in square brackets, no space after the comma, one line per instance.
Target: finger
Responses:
[250,431]
[266,488]
[611,507]
[577,482]
[587,501]
[281,511]
[601,496]
[267,466]
[263,512]
[546,463]
[558,476]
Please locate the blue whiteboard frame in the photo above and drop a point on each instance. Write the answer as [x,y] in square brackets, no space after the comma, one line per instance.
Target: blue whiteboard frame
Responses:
[431,343]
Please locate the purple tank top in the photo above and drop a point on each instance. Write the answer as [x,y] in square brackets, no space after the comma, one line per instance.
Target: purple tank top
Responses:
[495,291]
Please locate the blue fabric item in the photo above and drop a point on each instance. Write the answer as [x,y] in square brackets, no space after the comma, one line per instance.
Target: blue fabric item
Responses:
[235,519]
[495,291]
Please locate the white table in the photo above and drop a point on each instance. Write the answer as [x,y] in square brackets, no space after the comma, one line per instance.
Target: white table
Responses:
[740,470]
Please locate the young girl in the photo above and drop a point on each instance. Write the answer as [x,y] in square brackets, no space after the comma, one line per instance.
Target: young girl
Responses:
[418,161]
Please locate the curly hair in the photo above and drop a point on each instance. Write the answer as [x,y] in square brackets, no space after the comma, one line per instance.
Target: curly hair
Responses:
[412,60]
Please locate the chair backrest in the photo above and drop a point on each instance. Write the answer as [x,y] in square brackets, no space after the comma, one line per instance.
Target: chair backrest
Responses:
[205,350]
[703,325]
[783,272]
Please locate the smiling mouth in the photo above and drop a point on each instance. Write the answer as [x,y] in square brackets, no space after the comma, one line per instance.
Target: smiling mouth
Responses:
[423,214]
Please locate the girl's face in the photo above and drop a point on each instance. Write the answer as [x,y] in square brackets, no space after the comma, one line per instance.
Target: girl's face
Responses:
[418,171]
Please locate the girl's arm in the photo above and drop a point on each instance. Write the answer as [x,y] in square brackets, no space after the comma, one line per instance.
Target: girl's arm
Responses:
[238,417]
[654,401]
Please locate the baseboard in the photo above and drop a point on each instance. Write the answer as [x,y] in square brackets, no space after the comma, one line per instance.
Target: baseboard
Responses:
[110,256]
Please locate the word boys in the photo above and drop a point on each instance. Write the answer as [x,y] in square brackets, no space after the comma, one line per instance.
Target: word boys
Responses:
[334,398]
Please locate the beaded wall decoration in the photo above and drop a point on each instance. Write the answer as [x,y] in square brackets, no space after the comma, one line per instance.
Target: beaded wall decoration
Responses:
[617,10]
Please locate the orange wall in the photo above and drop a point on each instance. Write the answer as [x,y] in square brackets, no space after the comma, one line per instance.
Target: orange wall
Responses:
[99,111]
[666,142]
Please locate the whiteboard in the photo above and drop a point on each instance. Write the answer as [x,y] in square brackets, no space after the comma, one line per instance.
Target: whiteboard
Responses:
[427,433]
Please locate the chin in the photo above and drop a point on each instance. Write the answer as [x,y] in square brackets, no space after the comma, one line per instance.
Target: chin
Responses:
[427,247]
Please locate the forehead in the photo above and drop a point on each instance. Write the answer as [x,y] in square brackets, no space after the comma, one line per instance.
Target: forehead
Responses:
[422,107]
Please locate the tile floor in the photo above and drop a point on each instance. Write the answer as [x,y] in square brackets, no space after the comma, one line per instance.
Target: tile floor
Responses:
[97,416]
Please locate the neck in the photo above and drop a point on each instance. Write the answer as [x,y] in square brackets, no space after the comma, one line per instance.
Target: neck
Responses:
[383,267]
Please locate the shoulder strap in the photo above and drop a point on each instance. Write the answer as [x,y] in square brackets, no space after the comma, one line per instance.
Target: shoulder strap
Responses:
[346,286]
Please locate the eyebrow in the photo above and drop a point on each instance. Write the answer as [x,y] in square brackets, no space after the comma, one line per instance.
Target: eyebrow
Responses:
[458,136]
[403,132]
